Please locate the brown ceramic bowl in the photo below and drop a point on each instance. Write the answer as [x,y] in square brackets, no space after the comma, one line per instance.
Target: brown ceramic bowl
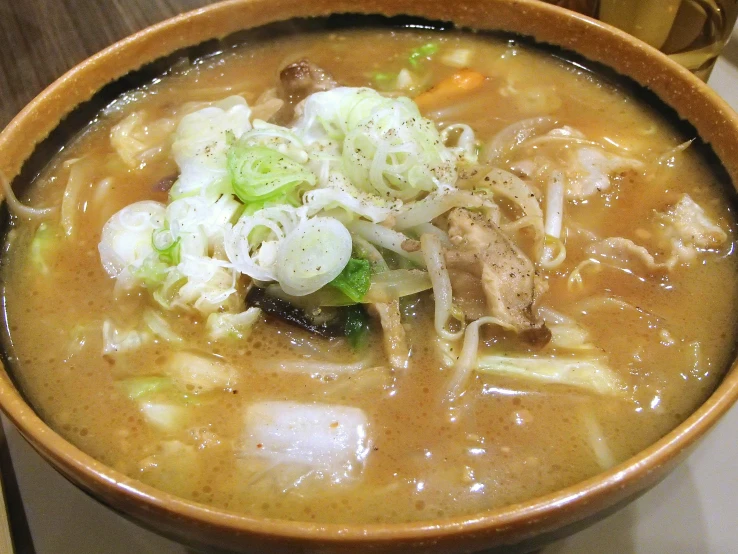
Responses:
[520,527]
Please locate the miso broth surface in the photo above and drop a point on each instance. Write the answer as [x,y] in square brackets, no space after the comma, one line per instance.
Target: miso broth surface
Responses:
[508,441]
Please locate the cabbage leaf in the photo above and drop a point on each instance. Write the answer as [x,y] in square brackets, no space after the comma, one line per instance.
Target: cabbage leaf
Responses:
[354,280]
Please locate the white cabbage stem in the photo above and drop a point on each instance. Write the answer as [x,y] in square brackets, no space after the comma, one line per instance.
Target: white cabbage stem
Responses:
[314,368]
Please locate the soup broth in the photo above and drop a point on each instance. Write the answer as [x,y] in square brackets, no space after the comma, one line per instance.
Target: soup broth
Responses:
[646,340]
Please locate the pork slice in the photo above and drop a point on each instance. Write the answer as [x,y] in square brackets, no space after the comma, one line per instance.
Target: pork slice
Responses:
[687,228]
[508,277]
[395,341]
[302,78]
[683,231]
[468,295]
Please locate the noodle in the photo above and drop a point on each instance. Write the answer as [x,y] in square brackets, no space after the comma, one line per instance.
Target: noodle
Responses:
[442,293]
[429,228]
[555,205]
[597,440]
[576,279]
[433,205]
[554,253]
[469,351]
[252,282]
[385,238]
[370,252]
[19,209]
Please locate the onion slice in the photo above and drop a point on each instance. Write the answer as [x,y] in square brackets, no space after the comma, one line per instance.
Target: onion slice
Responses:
[312,255]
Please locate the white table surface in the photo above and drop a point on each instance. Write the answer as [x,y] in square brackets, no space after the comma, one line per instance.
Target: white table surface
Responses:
[693,511]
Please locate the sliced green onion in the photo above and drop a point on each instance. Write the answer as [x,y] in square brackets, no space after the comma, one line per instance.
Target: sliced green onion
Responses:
[379,77]
[152,272]
[166,246]
[422,52]
[167,292]
[259,174]
[384,81]
[312,255]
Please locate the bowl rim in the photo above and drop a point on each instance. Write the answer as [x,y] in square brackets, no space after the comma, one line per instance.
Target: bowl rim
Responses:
[26,130]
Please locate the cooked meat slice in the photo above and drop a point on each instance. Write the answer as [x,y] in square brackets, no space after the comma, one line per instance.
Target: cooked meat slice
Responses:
[395,343]
[410,245]
[508,276]
[468,295]
[682,232]
[590,170]
[165,184]
[688,228]
[302,78]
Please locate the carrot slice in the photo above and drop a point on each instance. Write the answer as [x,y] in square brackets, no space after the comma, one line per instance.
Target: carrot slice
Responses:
[458,84]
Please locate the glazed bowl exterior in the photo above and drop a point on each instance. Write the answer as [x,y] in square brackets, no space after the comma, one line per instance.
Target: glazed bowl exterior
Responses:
[517,528]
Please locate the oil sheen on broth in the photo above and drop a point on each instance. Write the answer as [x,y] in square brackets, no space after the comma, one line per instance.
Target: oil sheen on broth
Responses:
[634,285]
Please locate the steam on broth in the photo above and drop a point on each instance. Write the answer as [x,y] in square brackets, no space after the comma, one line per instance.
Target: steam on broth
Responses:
[371,275]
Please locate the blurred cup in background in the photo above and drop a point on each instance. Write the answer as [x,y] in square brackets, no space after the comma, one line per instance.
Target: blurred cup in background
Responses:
[691,32]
